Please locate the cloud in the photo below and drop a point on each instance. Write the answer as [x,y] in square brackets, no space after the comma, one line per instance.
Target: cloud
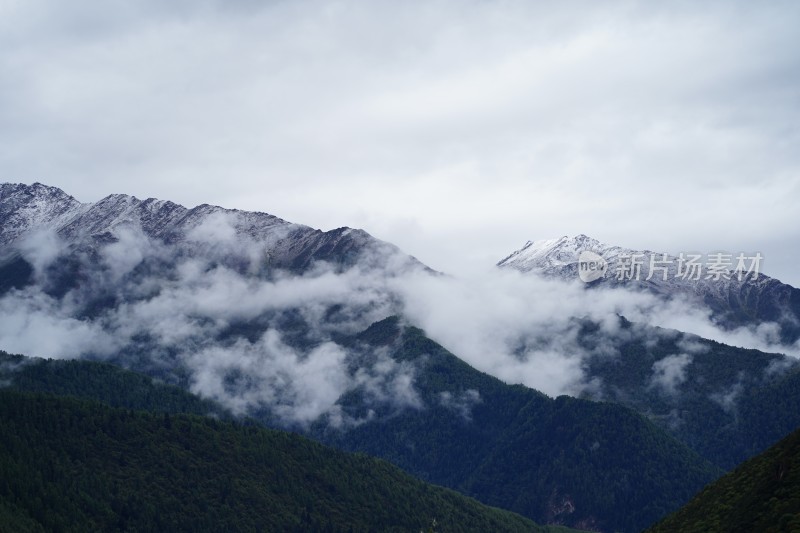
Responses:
[249,338]
[215,229]
[525,329]
[461,403]
[670,372]
[679,314]
[35,324]
[129,250]
[244,376]
[298,386]
[727,398]
[480,124]
[40,248]
[389,381]
[265,339]
[518,328]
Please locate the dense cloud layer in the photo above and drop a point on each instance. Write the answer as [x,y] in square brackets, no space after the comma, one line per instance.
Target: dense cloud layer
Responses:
[208,311]
[522,328]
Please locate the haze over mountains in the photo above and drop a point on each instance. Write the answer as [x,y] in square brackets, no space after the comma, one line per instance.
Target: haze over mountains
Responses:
[317,331]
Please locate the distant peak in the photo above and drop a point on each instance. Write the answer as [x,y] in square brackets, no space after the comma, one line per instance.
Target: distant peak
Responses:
[556,251]
[34,188]
[116,197]
[580,241]
[34,193]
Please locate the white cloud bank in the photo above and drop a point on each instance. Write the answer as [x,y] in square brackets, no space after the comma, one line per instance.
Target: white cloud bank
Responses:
[254,342]
[521,328]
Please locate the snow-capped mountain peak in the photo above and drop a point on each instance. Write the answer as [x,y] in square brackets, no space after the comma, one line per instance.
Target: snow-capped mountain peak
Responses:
[550,252]
[735,297]
[560,256]
[23,207]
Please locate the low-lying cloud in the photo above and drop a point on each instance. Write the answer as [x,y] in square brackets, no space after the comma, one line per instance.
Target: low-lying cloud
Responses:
[211,310]
[522,328]
[670,372]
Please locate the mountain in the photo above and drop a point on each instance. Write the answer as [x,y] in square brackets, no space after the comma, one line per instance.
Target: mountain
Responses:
[588,465]
[736,296]
[273,242]
[149,283]
[304,330]
[720,400]
[762,494]
[71,465]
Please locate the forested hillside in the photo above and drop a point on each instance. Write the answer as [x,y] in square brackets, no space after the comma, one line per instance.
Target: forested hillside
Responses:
[585,464]
[762,494]
[73,465]
[564,461]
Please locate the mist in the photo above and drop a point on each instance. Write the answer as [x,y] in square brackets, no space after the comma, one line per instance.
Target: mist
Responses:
[210,310]
[521,328]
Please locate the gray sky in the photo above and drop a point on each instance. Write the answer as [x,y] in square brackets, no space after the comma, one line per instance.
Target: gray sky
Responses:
[455,129]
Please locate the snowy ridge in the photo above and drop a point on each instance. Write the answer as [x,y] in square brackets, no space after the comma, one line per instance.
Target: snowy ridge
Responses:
[554,254]
[27,209]
[24,207]
[559,257]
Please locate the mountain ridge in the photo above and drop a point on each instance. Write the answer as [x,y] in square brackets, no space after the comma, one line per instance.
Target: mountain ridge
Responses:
[27,209]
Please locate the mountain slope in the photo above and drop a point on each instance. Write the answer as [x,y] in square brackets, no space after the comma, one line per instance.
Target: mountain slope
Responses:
[763,494]
[157,287]
[76,465]
[103,383]
[563,461]
[720,400]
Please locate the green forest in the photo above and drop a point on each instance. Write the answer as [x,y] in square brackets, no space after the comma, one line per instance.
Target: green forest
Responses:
[580,458]
[89,445]
[75,465]
[762,494]
[586,464]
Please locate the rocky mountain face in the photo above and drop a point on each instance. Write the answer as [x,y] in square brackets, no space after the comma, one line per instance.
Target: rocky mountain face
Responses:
[732,287]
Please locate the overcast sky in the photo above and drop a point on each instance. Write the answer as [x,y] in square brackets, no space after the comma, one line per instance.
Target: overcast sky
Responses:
[455,129]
